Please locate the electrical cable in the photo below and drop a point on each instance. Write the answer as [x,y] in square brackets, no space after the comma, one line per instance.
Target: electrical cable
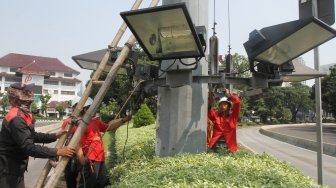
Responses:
[229,27]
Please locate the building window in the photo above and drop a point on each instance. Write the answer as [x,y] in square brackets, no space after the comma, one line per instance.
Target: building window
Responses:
[49,91]
[69,75]
[68,84]
[13,69]
[13,79]
[48,82]
[67,93]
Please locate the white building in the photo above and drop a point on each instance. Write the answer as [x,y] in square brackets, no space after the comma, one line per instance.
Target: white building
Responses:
[49,75]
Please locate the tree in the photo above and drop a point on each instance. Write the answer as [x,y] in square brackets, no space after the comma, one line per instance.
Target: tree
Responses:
[108,111]
[33,108]
[118,91]
[297,99]
[44,101]
[269,106]
[328,91]
[283,103]
[4,103]
[240,68]
[122,86]
[143,117]
[61,110]
[244,107]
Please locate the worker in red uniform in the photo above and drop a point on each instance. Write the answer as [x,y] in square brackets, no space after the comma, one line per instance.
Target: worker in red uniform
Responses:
[225,121]
[211,112]
[91,153]
[72,170]
[18,138]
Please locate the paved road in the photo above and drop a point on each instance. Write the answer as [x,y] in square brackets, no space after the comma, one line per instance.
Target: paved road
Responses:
[36,165]
[303,159]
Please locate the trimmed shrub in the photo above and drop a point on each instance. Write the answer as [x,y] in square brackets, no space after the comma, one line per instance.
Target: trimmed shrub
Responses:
[143,117]
[139,167]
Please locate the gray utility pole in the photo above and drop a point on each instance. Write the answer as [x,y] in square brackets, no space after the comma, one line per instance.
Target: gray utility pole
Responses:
[182,107]
[319,131]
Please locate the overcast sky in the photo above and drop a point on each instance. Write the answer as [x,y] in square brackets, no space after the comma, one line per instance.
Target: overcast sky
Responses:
[64,28]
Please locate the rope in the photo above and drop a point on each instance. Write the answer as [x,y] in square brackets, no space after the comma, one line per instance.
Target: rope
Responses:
[128,98]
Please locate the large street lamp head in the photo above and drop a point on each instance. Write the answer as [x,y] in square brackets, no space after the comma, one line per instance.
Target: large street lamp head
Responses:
[91,60]
[299,72]
[165,32]
[281,43]
[274,75]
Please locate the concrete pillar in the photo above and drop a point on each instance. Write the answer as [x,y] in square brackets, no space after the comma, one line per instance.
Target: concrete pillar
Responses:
[182,107]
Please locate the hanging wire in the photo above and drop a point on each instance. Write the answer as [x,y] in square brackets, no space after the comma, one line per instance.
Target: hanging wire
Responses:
[214,24]
[229,27]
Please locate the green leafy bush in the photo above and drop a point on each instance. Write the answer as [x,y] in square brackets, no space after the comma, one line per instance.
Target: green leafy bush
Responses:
[211,170]
[107,111]
[138,166]
[143,117]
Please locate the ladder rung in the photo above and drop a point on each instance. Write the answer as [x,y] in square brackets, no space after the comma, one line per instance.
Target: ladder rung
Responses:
[97,82]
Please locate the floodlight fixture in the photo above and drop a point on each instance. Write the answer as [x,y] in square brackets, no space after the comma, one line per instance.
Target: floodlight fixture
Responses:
[91,60]
[299,72]
[165,32]
[281,43]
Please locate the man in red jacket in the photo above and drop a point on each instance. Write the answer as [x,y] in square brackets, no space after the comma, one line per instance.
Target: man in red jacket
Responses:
[18,138]
[91,150]
[225,121]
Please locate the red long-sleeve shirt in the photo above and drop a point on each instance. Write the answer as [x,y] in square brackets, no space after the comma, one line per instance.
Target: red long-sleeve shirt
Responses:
[92,142]
[225,125]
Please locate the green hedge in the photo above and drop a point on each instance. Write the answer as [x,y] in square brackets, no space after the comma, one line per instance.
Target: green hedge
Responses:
[139,167]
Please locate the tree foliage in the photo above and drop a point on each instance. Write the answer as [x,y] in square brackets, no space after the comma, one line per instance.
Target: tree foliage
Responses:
[33,108]
[240,66]
[282,104]
[61,110]
[4,103]
[123,85]
[108,111]
[328,91]
[44,101]
[297,99]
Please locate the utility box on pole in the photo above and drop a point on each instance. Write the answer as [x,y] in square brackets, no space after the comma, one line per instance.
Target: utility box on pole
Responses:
[182,104]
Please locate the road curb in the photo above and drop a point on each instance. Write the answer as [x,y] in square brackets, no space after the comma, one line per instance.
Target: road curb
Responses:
[328,149]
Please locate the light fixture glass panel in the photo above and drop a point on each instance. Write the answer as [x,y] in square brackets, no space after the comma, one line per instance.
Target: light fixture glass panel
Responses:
[296,44]
[87,65]
[164,32]
[300,73]
[92,60]
[297,78]
[92,65]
